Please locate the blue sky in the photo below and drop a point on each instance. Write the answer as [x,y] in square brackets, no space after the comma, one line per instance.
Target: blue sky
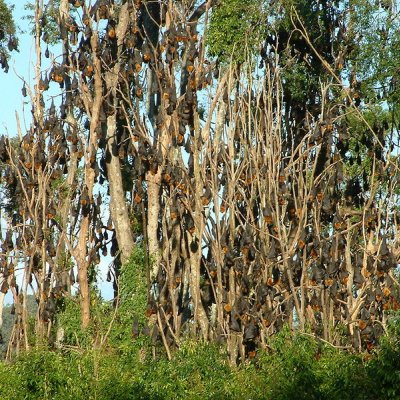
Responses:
[11,99]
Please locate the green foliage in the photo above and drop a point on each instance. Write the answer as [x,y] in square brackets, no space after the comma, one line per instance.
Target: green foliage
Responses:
[295,366]
[361,140]
[49,22]
[132,301]
[70,320]
[342,376]
[8,39]
[384,369]
[235,27]
[6,19]
[300,367]
[375,29]
[6,328]
[43,375]
[198,371]
[289,370]
[302,71]
[297,79]
[34,374]
[109,326]
[133,285]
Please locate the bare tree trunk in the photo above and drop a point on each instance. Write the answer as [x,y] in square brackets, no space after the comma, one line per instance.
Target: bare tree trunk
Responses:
[153,212]
[118,207]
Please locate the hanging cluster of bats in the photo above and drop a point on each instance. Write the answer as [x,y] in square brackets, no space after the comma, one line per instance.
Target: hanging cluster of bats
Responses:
[259,223]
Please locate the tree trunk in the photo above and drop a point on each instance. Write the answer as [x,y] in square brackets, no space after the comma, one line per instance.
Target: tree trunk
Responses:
[118,207]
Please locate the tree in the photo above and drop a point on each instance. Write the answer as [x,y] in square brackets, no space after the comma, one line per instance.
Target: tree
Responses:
[262,186]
